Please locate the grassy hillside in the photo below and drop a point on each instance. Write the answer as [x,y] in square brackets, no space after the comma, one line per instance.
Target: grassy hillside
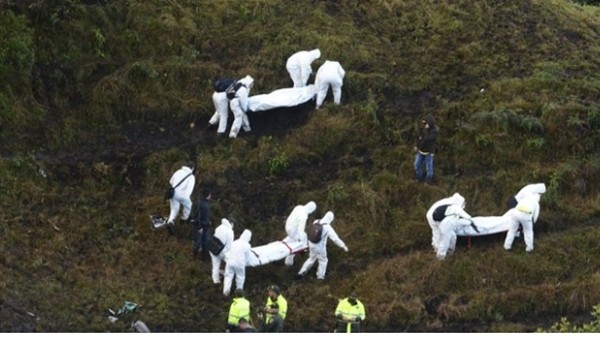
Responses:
[101,101]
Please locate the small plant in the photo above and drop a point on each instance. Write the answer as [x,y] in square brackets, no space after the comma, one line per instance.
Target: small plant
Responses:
[99,43]
[565,326]
[278,162]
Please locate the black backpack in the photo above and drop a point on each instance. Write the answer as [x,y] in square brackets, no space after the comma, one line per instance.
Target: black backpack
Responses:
[315,232]
[222,84]
[512,202]
[215,246]
[440,213]
[232,89]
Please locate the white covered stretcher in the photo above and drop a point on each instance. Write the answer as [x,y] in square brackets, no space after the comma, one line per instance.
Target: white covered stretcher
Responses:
[486,225]
[275,251]
[287,97]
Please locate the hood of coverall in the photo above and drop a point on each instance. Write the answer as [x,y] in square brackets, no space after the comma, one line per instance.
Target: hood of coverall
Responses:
[246,235]
[310,207]
[539,188]
[248,81]
[315,54]
[328,218]
[226,223]
[458,200]
[430,120]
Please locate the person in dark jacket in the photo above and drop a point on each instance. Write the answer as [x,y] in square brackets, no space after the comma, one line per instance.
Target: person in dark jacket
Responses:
[202,225]
[425,149]
[246,327]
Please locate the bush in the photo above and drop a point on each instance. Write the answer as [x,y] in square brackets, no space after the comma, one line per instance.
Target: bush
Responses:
[16,50]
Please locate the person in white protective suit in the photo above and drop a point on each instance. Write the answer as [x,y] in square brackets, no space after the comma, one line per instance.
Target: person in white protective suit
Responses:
[318,251]
[295,226]
[236,261]
[298,66]
[524,214]
[239,107]
[455,199]
[455,219]
[183,180]
[224,233]
[221,114]
[330,74]
[528,190]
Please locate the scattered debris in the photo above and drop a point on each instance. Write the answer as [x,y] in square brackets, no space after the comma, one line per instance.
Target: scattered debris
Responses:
[128,307]
[53,225]
[158,221]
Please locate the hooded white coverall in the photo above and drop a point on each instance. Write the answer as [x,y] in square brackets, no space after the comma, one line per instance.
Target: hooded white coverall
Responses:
[318,251]
[182,194]
[298,66]
[295,226]
[525,214]
[455,199]
[221,114]
[456,218]
[236,260]
[530,189]
[239,107]
[224,233]
[330,74]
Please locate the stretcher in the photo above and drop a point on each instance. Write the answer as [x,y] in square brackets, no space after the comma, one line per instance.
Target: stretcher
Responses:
[275,251]
[286,97]
[486,225]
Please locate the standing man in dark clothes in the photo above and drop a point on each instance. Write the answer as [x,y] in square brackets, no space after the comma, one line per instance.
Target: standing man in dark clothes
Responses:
[425,149]
[202,224]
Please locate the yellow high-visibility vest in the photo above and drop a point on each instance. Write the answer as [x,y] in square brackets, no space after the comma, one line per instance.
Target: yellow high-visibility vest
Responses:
[240,308]
[350,312]
[281,304]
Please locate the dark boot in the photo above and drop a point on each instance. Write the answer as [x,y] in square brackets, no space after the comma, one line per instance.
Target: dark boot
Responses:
[171,228]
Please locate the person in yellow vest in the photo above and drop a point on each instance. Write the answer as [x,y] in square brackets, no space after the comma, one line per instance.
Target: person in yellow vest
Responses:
[240,309]
[275,311]
[350,313]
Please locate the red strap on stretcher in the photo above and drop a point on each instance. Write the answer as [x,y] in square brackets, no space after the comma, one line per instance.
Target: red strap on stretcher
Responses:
[258,257]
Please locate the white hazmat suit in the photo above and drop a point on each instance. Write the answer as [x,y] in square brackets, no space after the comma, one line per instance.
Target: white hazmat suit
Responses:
[524,214]
[455,199]
[295,226]
[236,260]
[224,233]
[239,107]
[318,251]
[330,74]
[182,194]
[221,114]
[298,66]
[456,219]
